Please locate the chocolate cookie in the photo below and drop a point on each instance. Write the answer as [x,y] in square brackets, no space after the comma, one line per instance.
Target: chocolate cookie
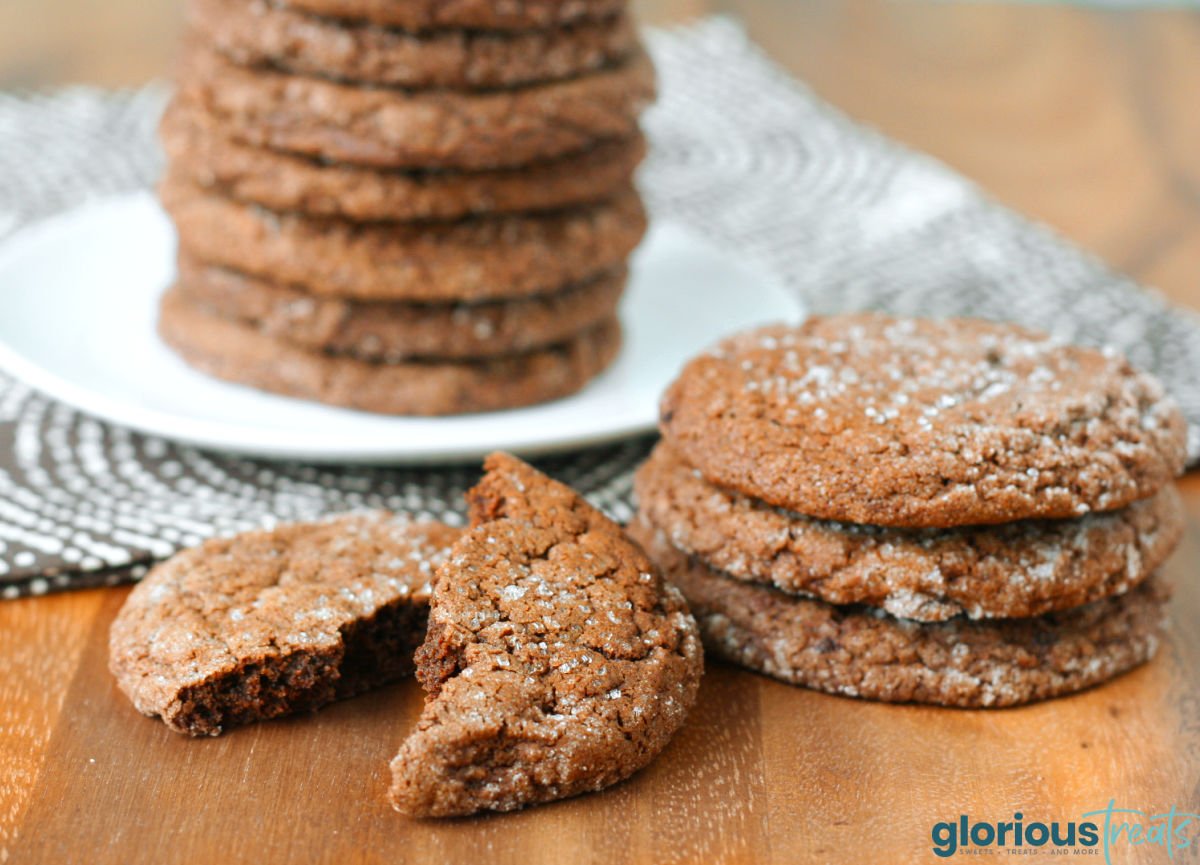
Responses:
[258,33]
[923,423]
[862,652]
[1005,571]
[393,332]
[485,258]
[203,154]
[557,661]
[384,127]
[238,353]
[469,14]
[267,623]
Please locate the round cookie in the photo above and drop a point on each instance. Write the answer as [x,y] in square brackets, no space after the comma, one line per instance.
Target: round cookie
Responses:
[558,660]
[1005,571]
[258,33]
[861,652]
[243,355]
[393,332]
[469,14]
[866,418]
[203,154]
[266,623]
[486,258]
[382,127]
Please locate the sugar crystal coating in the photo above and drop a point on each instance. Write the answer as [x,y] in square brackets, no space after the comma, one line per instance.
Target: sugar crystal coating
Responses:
[271,622]
[1024,568]
[558,661]
[859,651]
[923,423]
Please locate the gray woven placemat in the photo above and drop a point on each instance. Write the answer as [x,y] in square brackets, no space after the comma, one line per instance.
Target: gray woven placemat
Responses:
[741,152]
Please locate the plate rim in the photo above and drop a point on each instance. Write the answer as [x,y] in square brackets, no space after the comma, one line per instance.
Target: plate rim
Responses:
[242,441]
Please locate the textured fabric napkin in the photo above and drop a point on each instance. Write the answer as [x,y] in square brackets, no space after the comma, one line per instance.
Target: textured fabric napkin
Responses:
[741,152]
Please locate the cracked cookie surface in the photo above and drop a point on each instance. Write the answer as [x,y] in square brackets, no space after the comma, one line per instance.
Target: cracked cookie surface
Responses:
[391,127]
[485,258]
[558,660]
[1003,571]
[915,423]
[859,651]
[257,33]
[393,331]
[242,354]
[201,152]
[474,14]
[268,623]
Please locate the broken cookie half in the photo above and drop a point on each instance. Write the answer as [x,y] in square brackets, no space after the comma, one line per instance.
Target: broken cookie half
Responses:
[267,623]
[557,660]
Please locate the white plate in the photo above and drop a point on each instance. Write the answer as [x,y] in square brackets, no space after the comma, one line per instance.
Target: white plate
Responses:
[78,297]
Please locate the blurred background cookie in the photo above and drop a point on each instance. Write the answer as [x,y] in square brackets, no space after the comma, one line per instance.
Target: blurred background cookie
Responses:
[369,195]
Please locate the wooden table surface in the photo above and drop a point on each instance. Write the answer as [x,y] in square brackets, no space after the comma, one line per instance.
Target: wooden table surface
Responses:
[1087,120]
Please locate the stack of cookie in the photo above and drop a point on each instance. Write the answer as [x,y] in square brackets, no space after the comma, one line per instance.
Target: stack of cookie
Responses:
[953,512]
[410,207]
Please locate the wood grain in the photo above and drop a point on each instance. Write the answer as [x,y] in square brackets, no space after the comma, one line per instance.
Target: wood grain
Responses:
[41,646]
[1084,119]
[762,772]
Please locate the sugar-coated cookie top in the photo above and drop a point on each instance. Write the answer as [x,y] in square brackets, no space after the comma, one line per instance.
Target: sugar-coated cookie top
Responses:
[241,601]
[558,659]
[923,423]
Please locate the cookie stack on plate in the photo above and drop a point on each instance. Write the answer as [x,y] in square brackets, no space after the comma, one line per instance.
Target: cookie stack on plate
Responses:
[409,207]
[953,512]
